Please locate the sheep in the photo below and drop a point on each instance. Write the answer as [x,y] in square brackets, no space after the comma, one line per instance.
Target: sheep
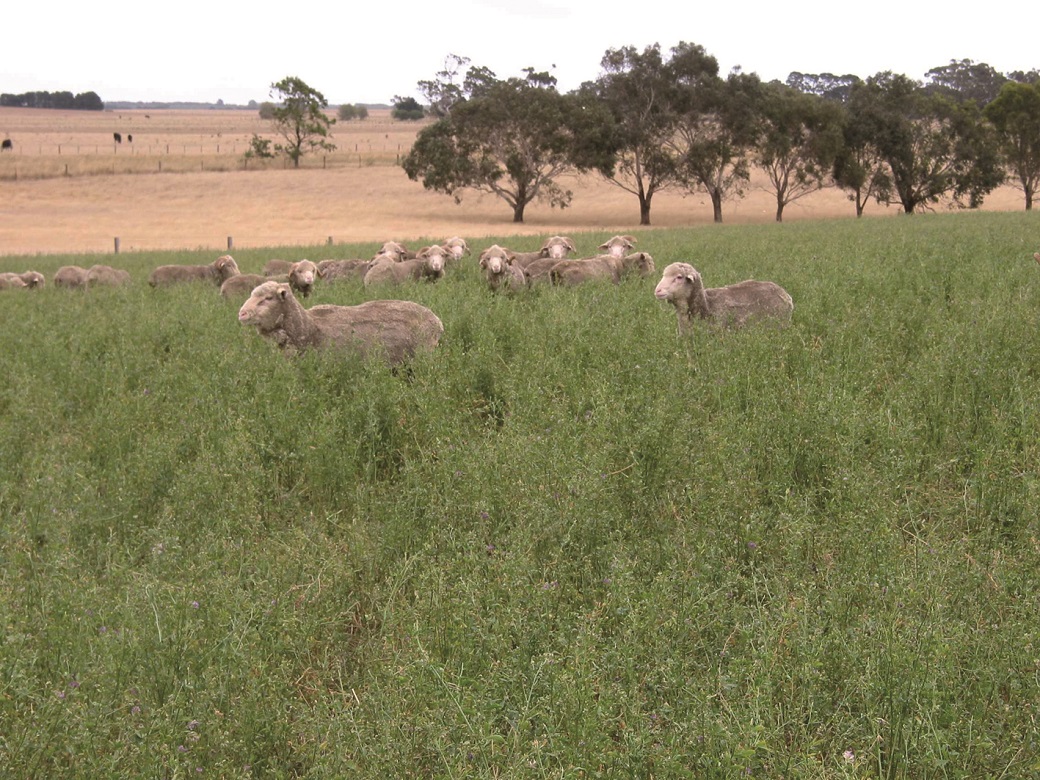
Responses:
[240,286]
[385,270]
[618,246]
[302,275]
[457,246]
[336,270]
[400,251]
[70,277]
[277,267]
[396,330]
[732,306]
[499,270]
[11,282]
[554,248]
[107,276]
[1036,256]
[29,279]
[578,270]
[216,272]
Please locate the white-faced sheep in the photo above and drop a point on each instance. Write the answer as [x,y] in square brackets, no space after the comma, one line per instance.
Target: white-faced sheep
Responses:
[732,306]
[499,270]
[554,248]
[384,270]
[618,246]
[399,250]
[457,246]
[337,270]
[70,277]
[578,270]
[30,279]
[107,276]
[216,272]
[302,275]
[394,330]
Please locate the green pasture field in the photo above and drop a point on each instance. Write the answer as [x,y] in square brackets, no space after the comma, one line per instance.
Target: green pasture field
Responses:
[567,544]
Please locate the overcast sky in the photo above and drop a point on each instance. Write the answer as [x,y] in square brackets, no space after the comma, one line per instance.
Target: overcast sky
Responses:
[205,51]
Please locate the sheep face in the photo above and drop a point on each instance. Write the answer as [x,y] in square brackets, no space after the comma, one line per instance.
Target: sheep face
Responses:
[226,266]
[639,263]
[494,259]
[302,275]
[618,246]
[676,282]
[435,257]
[457,246]
[557,247]
[264,308]
[394,249]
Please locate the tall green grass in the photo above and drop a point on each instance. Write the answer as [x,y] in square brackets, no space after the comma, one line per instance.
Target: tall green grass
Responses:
[567,544]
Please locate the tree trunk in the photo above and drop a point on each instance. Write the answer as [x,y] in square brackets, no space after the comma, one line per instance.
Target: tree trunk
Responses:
[644,209]
[518,212]
[779,209]
[716,205]
[1029,200]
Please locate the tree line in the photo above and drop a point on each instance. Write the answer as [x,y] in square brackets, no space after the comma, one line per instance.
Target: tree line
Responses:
[85,101]
[655,121]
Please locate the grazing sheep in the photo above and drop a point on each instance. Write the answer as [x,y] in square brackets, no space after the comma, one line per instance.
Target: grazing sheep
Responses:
[240,286]
[554,248]
[385,270]
[400,251]
[576,271]
[618,246]
[216,272]
[30,279]
[336,270]
[732,306]
[302,275]
[107,276]
[499,270]
[396,330]
[276,267]
[70,277]
[457,246]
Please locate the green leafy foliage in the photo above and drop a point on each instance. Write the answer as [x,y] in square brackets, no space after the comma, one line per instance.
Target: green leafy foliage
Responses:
[567,543]
[300,119]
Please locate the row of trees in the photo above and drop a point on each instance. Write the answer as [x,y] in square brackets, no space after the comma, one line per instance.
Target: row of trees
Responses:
[652,123]
[85,101]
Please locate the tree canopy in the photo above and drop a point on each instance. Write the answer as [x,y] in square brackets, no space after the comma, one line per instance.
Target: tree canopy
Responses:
[300,119]
[1015,114]
[515,140]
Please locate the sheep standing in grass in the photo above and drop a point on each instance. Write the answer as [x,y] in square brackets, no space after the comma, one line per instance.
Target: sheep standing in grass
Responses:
[70,277]
[30,279]
[732,306]
[216,272]
[578,270]
[107,276]
[395,330]
[499,270]
[429,266]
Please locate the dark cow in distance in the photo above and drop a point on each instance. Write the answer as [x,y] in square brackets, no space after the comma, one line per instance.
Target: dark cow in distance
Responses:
[6,145]
[117,138]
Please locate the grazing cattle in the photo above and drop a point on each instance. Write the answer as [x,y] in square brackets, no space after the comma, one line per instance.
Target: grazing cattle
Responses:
[6,145]
[117,138]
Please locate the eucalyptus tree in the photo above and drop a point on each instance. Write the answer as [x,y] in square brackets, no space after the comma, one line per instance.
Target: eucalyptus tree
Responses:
[515,139]
[640,90]
[933,147]
[299,118]
[800,137]
[1015,114]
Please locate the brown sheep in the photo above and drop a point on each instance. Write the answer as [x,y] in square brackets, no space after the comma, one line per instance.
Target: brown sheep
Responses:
[216,272]
[578,270]
[732,306]
[499,270]
[394,330]
[70,277]
[337,270]
[618,246]
[30,279]
[239,286]
[107,276]
[429,267]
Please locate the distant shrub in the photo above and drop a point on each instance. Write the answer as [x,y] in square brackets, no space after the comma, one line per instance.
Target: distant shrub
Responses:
[259,148]
[352,111]
[267,110]
[407,109]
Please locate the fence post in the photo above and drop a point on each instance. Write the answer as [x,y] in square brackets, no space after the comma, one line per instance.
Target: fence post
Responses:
[329,241]
[117,245]
[230,243]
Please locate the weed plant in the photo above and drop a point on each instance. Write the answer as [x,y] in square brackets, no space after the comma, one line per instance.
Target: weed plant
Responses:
[569,543]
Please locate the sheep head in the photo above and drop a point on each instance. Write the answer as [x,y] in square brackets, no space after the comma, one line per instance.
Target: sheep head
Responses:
[558,247]
[494,259]
[226,266]
[677,281]
[265,307]
[435,257]
[457,246]
[393,248]
[302,275]
[618,245]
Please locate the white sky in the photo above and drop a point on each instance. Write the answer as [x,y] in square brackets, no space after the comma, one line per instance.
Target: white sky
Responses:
[368,52]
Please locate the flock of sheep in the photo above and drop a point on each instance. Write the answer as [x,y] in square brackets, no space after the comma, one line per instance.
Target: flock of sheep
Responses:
[395,329]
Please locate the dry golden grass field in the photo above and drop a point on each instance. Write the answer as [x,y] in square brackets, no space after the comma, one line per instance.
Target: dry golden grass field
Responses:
[183,183]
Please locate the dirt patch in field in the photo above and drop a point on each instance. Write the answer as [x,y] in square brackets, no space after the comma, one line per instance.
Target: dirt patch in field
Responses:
[359,195]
